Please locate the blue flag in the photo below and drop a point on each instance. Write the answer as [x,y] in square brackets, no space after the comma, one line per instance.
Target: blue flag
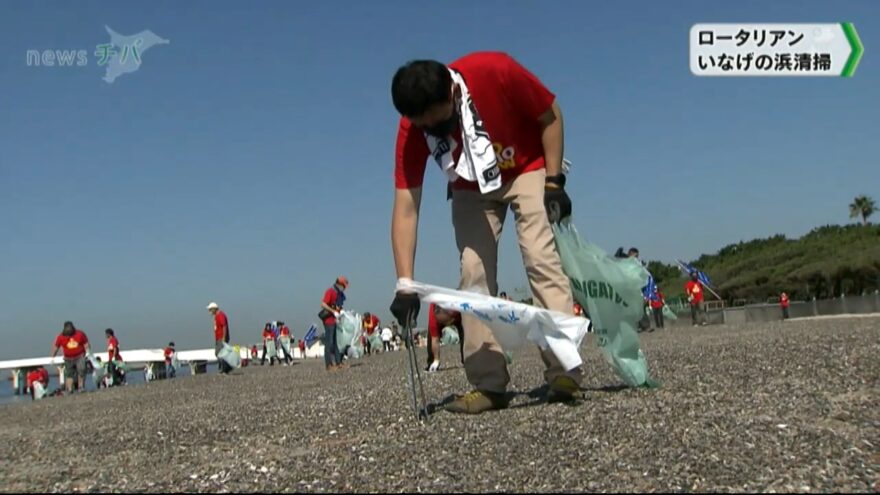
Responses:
[702,277]
[311,335]
[650,290]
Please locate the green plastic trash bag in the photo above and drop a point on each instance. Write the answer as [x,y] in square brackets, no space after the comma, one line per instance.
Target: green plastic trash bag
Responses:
[611,290]
[669,314]
[99,371]
[376,341]
[271,351]
[348,330]
[449,336]
[355,352]
[228,354]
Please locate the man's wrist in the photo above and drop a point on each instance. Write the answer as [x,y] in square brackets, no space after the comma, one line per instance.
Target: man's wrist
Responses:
[555,181]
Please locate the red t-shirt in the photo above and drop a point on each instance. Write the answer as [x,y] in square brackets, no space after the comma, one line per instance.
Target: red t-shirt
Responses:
[302,345]
[285,331]
[330,300]
[221,326]
[38,375]
[371,324]
[434,328]
[695,289]
[267,335]
[113,349]
[168,353]
[784,300]
[508,98]
[657,303]
[73,346]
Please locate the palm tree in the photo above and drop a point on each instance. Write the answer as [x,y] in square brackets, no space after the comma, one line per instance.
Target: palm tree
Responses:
[862,206]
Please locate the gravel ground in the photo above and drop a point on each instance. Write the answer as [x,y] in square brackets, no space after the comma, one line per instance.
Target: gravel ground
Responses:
[769,407]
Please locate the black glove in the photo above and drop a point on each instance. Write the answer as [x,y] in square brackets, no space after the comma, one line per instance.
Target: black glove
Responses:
[557,203]
[405,308]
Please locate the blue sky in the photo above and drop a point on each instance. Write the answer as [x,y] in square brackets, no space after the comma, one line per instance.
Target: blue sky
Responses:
[250,160]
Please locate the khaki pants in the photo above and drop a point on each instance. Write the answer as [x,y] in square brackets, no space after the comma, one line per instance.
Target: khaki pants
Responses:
[478,220]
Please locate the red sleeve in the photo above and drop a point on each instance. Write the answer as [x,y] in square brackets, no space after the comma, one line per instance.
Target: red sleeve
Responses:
[83,339]
[329,297]
[411,156]
[220,321]
[58,341]
[526,92]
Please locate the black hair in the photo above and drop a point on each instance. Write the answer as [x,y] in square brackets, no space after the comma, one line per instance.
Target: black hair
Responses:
[171,344]
[419,85]
[66,323]
[109,332]
[634,250]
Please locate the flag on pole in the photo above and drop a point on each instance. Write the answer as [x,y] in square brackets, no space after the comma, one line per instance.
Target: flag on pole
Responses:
[311,335]
[702,277]
[650,290]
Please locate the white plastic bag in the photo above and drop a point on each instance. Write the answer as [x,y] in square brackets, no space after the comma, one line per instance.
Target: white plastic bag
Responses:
[39,391]
[512,323]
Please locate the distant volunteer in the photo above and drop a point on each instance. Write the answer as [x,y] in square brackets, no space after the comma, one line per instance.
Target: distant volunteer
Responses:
[37,378]
[284,340]
[221,336]
[114,357]
[387,337]
[170,360]
[331,305]
[438,319]
[370,325]
[694,291]
[268,337]
[74,345]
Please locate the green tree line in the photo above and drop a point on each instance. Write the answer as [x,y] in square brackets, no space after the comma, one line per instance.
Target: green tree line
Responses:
[827,262]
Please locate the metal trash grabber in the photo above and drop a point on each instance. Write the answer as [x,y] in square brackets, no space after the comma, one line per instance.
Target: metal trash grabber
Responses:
[415,374]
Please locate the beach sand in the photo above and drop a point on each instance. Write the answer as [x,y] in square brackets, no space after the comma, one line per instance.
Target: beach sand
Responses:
[781,406]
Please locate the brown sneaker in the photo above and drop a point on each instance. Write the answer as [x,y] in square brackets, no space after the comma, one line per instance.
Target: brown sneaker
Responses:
[477,402]
[563,388]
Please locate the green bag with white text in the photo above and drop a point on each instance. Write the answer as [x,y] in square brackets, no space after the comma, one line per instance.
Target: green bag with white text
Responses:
[611,291]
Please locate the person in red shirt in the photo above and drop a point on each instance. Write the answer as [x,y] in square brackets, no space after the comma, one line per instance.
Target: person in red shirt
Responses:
[74,345]
[284,340]
[170,370]
[694,291]
[783,303]
[221,335]
[331,305]
[38,375]
[254,353]
[302,348]
[267,337]
[513,134]
[438,319]
[113,356]
[370,324]
[657,302]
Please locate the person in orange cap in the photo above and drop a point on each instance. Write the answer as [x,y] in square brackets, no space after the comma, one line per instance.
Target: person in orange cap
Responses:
[331,305]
